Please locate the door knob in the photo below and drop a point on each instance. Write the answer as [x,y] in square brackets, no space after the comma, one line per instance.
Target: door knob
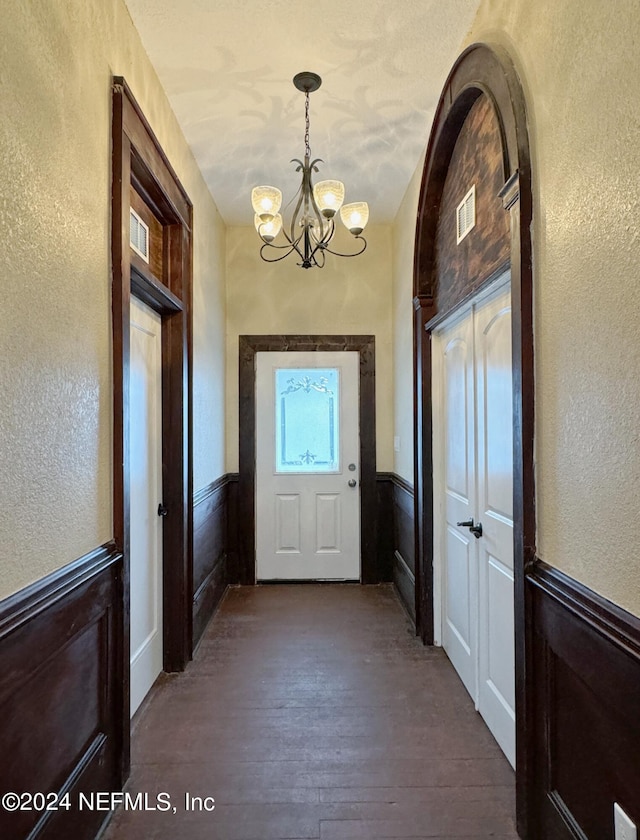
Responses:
[476,530]
[352,482]
[162,511]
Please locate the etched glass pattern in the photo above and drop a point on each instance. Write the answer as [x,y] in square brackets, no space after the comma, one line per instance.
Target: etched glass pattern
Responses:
[307,427]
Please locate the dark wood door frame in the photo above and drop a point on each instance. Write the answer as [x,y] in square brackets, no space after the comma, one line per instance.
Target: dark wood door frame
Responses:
[249,346]
[139,161]
[487,70]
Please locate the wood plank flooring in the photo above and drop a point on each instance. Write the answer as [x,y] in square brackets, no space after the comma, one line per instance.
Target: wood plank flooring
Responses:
[311,712]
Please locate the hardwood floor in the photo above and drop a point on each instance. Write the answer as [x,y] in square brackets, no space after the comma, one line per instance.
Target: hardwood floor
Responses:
[312,711]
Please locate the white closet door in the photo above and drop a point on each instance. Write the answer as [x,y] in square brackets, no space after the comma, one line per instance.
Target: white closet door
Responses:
[145,447]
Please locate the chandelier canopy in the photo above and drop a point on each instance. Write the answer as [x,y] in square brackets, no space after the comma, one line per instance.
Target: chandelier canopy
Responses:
[312,224]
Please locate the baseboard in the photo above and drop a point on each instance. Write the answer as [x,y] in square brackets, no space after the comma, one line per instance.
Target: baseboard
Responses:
[60,694]
[583,690]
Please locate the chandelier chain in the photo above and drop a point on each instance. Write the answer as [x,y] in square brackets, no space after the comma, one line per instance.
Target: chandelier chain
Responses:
[307,147]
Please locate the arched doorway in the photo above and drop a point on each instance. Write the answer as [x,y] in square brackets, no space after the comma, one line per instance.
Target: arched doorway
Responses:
[479,140]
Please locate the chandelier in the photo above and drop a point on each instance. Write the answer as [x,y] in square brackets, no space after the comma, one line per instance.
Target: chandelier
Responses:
[312,223]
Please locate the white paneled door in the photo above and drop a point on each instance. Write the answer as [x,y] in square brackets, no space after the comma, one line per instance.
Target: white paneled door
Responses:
[145,442]
[473,505]
[307,466]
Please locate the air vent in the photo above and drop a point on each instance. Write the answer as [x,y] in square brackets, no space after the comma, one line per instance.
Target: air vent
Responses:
[466,214]
[139,235]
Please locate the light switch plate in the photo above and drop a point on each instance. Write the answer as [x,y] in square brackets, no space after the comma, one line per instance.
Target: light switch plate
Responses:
[396,444]
[624,828]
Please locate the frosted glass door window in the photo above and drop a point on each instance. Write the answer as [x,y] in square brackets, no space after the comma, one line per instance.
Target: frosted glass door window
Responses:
[307,404]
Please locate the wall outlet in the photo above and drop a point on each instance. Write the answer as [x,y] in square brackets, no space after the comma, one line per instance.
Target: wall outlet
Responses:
[624,828]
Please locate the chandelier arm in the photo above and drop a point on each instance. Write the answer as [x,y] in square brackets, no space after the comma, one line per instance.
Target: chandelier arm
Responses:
[292,245]
[356,254]
[289,250]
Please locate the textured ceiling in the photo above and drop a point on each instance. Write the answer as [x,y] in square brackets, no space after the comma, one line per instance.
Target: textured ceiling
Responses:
[227,66]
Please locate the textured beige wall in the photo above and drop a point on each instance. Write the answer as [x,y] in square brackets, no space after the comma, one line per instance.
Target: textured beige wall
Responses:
[579,63]
[345,297]
[404,233]
[55,322]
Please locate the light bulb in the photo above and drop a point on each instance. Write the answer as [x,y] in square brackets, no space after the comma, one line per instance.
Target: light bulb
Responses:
[355,216]
[270,229]
[266,201]
[329,196]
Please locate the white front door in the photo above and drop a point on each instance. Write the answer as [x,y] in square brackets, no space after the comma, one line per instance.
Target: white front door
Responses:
[473,420]
[307,466]
[145,446]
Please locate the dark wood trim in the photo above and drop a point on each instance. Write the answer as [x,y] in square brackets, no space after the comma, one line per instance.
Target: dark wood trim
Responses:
[423,469]
[138,161]
[59,651]
[249,345]
[211,489]
[616,625]
[27,603]
[146,286]
[466,300]
[488,70]
[585,695]
[396,479]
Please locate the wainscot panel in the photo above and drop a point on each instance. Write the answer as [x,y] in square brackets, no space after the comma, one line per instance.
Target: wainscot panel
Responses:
[384,535]
[60,696]
[396,536]
[585,693]
[404,541]
[214,549]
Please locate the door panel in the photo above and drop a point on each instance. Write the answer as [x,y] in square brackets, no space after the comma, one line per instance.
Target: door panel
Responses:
[145,442]
[460,578]
[328,521]
[496,700]
[288,523]
[307,515]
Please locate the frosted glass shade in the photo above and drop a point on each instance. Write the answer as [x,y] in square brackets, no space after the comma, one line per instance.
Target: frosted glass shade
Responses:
[329,196]
[355,216]
[266,201]
[270,229]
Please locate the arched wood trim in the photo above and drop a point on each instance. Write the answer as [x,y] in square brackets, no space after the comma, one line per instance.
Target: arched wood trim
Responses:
[482,69]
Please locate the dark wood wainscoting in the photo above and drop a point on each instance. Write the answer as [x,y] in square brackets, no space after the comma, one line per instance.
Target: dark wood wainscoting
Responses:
[61,695]
[396,544]
[585,693]
[404,537]
[215,550]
